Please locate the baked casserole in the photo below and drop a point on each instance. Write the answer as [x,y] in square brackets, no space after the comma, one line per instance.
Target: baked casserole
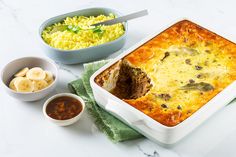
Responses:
[174,74]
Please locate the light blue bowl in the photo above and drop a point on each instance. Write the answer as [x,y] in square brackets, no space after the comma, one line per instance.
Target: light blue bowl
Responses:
[85,54]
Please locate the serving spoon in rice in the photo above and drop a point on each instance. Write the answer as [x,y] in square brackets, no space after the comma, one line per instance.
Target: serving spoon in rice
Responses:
[123,18]
[97,25]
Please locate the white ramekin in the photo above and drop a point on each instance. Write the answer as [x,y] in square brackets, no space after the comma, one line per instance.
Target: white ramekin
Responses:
[67,121]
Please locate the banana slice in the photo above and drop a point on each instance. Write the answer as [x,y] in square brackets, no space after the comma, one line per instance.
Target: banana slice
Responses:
[39,85]
[12,83]
[36,74]
[49,77]
[23,85]
[22,72]
[50,82]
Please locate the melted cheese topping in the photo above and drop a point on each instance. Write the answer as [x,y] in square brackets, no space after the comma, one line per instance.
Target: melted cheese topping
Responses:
[183,54]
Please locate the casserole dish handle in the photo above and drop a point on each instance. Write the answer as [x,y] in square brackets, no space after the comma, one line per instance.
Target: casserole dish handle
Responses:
[119,110]
[129,116]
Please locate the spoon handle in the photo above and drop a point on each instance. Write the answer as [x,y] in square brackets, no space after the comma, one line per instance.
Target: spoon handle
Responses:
[123,18]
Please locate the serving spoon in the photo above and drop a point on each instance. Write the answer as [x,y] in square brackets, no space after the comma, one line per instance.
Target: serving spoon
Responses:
[108,22]
[123,18]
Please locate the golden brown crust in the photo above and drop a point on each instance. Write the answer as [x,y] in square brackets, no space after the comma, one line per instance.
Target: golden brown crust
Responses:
[181,57]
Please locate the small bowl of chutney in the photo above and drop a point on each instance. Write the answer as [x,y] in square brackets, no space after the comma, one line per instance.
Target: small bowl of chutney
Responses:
[64,109]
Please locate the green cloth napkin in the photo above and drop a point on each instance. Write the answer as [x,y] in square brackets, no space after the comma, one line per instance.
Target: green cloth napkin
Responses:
[111,126]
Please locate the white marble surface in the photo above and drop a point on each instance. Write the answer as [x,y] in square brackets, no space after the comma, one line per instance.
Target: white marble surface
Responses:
[24,132]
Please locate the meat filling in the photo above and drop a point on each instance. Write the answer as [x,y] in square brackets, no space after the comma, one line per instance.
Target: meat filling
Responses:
[132,83]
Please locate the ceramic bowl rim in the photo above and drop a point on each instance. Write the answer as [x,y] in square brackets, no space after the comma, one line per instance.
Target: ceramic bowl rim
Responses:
[33,57]
[60,95]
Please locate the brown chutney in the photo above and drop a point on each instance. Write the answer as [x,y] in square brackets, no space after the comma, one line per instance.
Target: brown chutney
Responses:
[63,108]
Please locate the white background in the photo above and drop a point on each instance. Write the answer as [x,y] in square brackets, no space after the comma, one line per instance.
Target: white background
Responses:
[24,132]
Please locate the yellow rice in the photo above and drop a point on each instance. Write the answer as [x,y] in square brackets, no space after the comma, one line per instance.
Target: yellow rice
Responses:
[85,37]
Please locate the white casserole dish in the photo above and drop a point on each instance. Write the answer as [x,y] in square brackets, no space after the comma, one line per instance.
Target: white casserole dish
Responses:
[147,126]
